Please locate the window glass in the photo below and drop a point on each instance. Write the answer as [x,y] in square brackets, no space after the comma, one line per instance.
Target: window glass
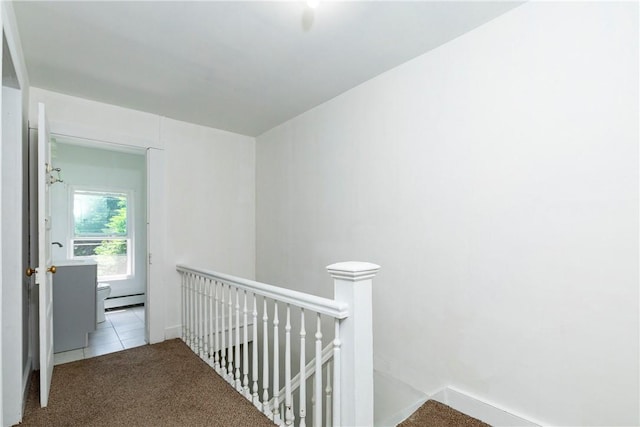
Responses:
[99,214]
[101,232]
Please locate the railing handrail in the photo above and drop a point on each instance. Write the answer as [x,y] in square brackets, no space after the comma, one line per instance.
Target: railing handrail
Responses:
[329,307]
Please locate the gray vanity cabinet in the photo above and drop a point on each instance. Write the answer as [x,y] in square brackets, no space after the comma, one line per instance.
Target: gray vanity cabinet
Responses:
[74,305]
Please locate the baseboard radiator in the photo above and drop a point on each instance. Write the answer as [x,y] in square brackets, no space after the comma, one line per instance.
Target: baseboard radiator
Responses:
[257,337]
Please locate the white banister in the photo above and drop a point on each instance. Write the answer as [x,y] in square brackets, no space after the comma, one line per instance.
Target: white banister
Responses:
[334,308]
[353,285]
[340,373]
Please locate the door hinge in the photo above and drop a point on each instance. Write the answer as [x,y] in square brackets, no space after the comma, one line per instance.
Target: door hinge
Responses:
[150,259]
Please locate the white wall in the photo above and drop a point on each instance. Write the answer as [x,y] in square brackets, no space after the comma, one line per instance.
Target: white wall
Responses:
[208,181]
[211,202]
[95,168]
[73,116]
[495,180]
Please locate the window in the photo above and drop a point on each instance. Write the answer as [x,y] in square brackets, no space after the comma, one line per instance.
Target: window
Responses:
[101,231]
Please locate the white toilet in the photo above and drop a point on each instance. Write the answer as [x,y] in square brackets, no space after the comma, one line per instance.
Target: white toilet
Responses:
[104,290]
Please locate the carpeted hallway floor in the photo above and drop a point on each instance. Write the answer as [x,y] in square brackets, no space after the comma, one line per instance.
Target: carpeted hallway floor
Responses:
[436,414]
[166,385]
[154,385]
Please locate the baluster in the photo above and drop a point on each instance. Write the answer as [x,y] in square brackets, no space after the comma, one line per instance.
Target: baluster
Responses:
[199,336]
[201,322]
[303,372]
[195,314]
[288,413]
[186,308]
[209,350]
[336,374]
[191,312]
[188,295]
[223,349]
[327,391]
[265,361]
[230,346]
[208,304]
[245,351]
[317,411]
[276,370]
[238,383]
[313,401]
[203,303]
[216,348]
[182,307]
[196,336]
[254,355]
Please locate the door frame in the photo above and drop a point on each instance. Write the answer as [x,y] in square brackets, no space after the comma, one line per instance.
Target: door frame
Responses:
[12,280]
[14,286]
[155,186]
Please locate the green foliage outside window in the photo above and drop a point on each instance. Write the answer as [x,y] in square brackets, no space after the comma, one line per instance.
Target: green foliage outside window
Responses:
[117,225]
[100,214]
[100,226]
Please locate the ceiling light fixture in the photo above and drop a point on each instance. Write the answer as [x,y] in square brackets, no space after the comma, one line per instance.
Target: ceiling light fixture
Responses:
[313,3]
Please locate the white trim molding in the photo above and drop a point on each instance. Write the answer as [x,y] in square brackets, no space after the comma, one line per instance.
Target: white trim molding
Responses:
[481,409]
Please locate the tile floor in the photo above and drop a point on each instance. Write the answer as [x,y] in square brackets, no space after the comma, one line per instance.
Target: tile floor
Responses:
[124,328]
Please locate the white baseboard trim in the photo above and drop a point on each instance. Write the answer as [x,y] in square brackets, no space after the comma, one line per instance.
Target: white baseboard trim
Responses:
[172,332]
[116,302]
[480,409]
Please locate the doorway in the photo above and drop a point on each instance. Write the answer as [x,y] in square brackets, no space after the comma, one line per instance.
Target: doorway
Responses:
[99,216]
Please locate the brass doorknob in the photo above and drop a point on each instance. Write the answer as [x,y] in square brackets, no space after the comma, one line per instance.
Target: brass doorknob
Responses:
[30,271]
[52,269]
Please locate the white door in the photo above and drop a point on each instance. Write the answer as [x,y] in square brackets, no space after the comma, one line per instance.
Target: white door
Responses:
[44,269]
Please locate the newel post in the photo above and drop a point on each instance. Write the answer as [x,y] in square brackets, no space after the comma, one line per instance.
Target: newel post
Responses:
[352,284]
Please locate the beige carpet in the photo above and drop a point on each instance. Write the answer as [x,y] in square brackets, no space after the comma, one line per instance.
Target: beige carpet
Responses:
[155,385]
[436,414]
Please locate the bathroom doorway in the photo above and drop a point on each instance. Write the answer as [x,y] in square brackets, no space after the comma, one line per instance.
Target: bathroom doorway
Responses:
[99,215]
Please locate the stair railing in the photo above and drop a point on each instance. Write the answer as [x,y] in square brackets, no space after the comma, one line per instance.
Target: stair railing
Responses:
[220,323]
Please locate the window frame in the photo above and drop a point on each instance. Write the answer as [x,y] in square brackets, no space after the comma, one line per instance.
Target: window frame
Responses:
[128,238]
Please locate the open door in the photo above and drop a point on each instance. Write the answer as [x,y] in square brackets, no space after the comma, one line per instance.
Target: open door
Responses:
[44,269]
